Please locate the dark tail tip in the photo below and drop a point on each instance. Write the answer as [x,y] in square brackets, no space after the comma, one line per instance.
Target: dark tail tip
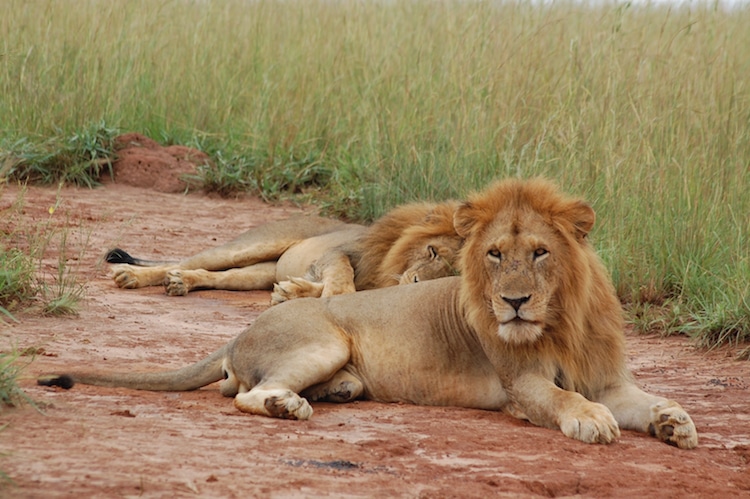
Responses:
[119,256]
[63,381]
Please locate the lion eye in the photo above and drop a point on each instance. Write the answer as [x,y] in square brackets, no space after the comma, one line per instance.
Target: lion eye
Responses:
[432,251]
[540,252]
[495,254]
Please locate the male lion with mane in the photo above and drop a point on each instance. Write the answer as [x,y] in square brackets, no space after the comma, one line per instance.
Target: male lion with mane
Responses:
[318,256]
[532,327]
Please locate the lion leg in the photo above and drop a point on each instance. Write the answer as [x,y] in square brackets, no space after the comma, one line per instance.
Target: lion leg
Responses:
[547,405]
[337,275]
[588,422]
[637,410]
[343,387]
[295,287]
[179,282]
[281,355]
[264,243]
[230,385]
[273,402]
[131,277]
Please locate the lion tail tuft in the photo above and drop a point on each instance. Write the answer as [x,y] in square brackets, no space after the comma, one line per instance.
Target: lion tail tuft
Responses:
[63,381]
[118,255]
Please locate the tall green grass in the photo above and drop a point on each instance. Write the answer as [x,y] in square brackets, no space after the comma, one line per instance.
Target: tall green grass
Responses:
[643,110]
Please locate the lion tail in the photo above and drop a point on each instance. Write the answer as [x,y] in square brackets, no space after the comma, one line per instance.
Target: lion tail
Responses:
[118,255]
[200,374]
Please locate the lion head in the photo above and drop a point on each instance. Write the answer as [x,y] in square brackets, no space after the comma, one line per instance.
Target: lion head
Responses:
[531,278]
[411,243]
[426,250]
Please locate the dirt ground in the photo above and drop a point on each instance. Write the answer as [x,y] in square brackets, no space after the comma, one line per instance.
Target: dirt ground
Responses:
[101,442]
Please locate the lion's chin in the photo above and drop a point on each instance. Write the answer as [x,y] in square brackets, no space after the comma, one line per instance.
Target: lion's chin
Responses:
[518,331]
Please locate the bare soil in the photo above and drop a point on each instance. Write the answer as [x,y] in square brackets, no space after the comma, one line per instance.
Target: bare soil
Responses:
[100,442]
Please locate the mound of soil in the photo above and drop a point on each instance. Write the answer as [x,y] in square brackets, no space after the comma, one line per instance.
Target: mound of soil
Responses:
[102,442]
[142,162]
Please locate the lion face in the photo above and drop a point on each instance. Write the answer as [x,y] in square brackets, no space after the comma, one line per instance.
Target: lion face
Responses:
[426,245]
[522,256]
[520,269]
[434,259]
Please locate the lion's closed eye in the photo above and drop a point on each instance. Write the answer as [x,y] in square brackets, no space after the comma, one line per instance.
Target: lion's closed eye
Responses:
[540,253]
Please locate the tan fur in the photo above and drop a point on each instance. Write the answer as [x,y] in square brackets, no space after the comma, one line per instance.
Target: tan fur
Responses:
[531,327]
[395,249]
[411,243]
[314,256]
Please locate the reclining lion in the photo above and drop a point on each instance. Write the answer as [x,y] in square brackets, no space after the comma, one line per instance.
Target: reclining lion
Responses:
[532,327]
[323,257]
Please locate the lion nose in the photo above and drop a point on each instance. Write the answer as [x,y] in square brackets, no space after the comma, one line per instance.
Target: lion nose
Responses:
[517,302]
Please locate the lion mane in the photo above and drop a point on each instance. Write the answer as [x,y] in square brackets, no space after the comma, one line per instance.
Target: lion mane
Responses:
[400,238]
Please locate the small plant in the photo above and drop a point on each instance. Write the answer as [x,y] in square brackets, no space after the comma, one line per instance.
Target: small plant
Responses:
[22,283]
[16,279]
[11,394]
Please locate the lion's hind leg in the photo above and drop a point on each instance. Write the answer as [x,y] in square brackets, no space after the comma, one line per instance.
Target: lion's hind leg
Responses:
[179,282]
[274,402]
[343,387]
[281,355]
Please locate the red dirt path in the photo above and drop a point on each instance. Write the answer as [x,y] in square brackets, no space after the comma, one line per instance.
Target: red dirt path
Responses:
[99,442]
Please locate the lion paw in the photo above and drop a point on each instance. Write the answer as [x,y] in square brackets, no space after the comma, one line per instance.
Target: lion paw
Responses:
[124,277]
[671,424]
[295,287]
[288,406]
[594,423]
[174,284]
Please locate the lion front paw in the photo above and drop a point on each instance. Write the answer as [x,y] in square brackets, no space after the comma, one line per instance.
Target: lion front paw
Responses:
[671,424]
[295,287]
[593,423]
[174,284]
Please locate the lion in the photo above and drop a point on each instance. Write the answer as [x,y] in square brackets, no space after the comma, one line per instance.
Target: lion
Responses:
[531,327]
[310,256]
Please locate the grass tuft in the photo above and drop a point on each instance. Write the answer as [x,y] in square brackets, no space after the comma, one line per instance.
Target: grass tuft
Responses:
[80,158]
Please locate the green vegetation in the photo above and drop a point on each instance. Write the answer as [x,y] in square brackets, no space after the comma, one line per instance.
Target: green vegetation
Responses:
[645,111]
[23,250]
[11,394]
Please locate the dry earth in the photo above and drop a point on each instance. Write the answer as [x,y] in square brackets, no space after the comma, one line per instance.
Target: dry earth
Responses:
[99,442]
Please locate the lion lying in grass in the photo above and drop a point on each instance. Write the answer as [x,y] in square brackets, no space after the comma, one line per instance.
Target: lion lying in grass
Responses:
[320,256]
[532,327]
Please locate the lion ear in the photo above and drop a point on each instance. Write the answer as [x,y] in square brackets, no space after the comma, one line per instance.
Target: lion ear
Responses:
[464,219]
[582,216]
